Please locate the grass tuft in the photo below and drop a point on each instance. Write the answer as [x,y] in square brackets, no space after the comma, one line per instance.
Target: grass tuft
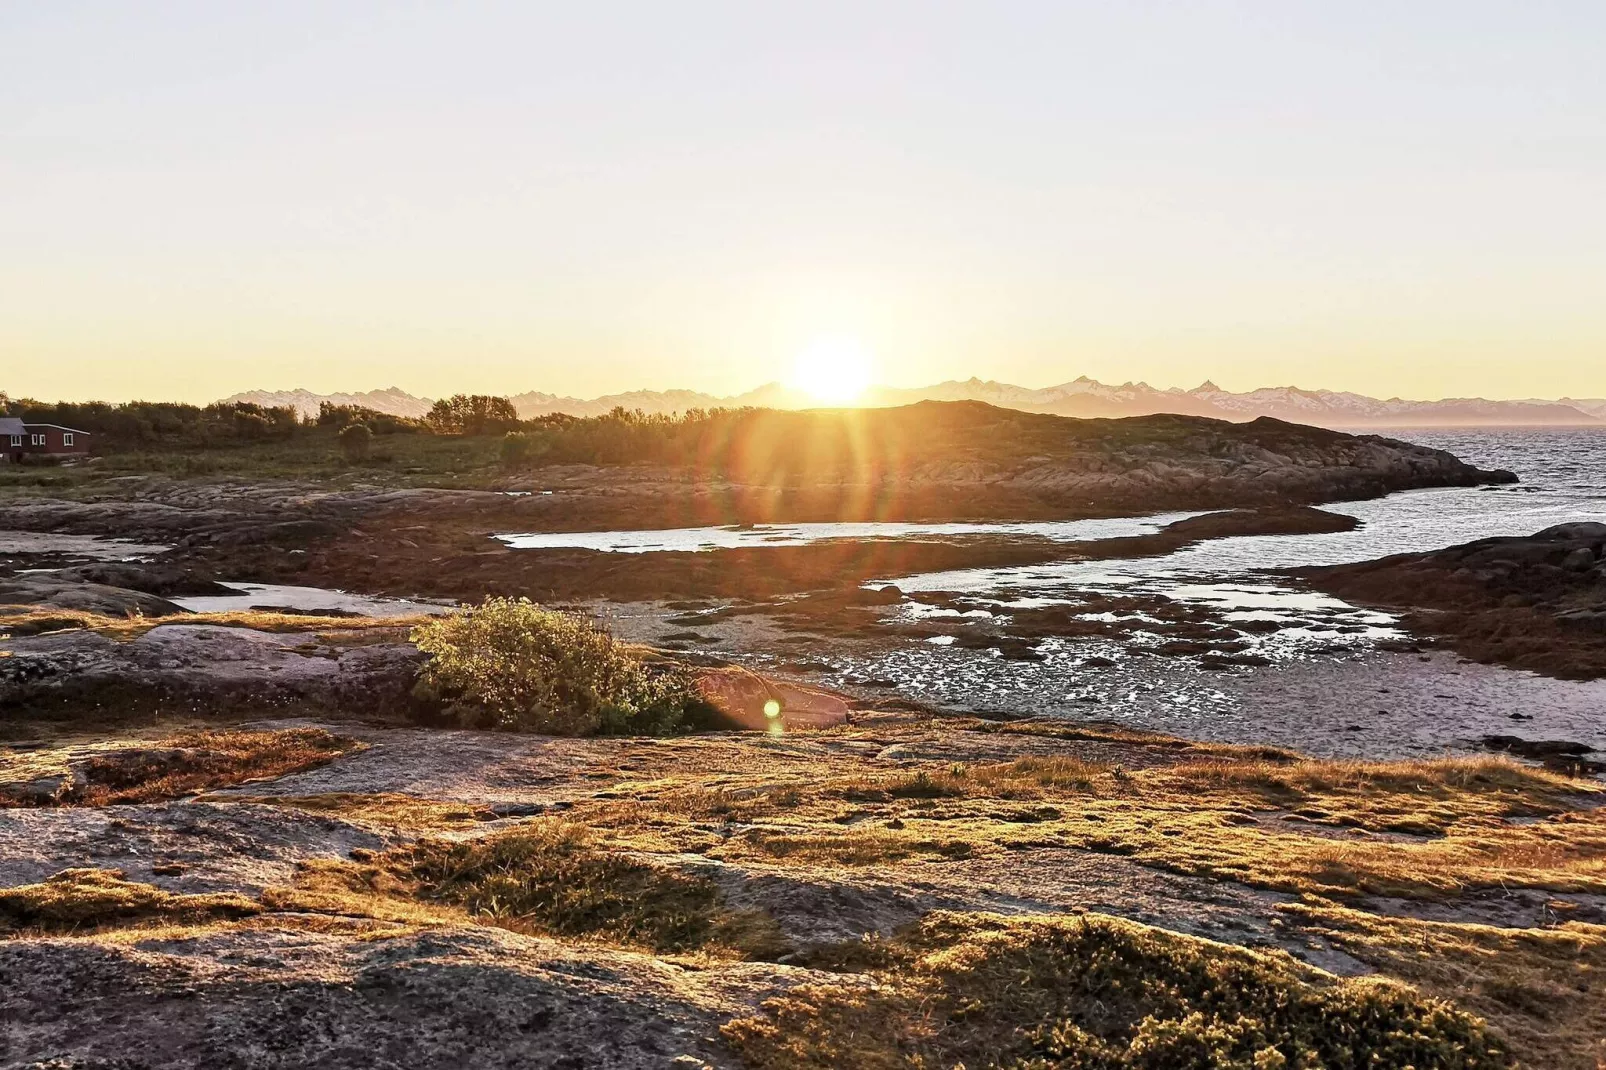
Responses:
[1540,988]
[548,879]
[90,899]
[36,620]
[1099,993]
[184,764]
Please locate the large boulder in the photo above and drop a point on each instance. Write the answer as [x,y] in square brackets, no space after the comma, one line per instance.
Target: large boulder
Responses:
[752,701]
[166,580]
[1577,531]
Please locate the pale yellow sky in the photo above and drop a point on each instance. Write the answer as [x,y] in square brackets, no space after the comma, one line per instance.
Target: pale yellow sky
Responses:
[196,201]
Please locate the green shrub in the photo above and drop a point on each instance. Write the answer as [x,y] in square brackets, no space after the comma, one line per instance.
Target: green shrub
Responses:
[508,663]
[355,440]
[519,448]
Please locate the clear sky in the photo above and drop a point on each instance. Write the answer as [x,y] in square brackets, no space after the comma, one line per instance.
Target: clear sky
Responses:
[584,197]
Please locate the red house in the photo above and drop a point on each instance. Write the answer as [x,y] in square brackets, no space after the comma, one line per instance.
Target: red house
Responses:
[19,440]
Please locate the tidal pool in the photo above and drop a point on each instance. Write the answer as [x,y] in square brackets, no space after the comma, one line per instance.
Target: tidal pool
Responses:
[307,600]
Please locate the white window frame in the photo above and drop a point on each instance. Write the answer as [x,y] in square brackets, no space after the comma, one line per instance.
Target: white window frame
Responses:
[38,440]
[66,438]
[16,440]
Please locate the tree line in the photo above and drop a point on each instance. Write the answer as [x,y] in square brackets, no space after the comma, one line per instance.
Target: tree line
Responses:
[764,444]
[133,425]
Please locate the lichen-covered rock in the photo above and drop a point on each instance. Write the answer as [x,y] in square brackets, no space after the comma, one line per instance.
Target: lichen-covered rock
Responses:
[446,999]
[182,666]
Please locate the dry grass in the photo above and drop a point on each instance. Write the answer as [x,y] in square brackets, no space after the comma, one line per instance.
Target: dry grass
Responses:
[977,990]
[88,899]
[1414,829]
[24,620]
[1413,797]
[546,878]
[387,808]
[182,764]
[986,992]
[1156,741]
[1544,990]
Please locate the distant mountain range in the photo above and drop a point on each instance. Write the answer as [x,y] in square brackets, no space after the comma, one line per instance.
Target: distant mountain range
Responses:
[1080,397]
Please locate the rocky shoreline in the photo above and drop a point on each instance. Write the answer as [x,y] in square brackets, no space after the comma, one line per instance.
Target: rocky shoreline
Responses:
[238,839]
[1536,602]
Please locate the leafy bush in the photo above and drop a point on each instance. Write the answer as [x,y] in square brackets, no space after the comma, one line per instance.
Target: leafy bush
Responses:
[519,448]
[380,423]
[355,441]
[508,663]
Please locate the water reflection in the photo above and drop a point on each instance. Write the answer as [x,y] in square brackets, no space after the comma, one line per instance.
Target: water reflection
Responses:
[711,538]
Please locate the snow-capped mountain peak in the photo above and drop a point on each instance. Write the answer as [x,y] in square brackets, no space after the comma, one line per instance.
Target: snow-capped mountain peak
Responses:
[1082,396]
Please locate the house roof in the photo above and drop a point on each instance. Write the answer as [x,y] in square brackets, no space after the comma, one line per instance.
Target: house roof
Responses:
[10,425]
[59,427]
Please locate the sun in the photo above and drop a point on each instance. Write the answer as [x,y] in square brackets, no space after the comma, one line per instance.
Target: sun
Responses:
[834,370]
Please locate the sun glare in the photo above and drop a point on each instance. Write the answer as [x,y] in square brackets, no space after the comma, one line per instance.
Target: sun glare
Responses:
[834,370]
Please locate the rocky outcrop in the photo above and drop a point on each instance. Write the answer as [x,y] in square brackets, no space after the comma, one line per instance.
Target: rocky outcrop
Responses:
[169,580]
[929,462]
[315,978]
[55,591]
[178,668]
[1562,755]
[1535,602]
[933,461]
[751,701]
[431,561]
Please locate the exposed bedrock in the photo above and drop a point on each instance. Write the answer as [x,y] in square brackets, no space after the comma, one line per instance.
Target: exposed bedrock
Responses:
[56,591]
[442,561]
[1535,602]
[205,668]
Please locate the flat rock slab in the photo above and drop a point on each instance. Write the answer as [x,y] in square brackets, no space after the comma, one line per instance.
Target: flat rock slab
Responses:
[755,702]
[53,592]
[447,999]
[204,651]
[207,662]
[199,846]
[835,904]
[93,547]
[501,767]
